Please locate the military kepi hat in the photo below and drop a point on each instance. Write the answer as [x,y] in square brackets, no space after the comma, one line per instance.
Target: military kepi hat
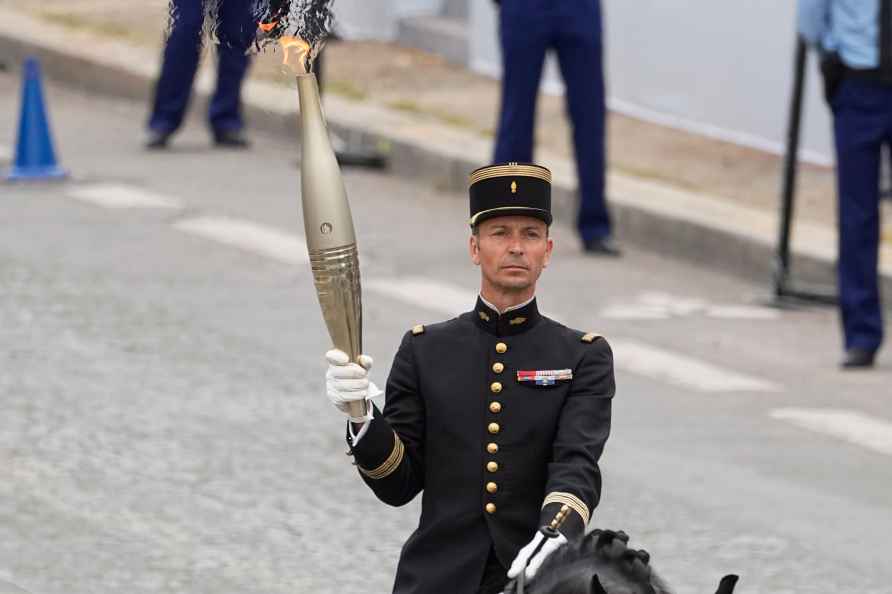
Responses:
[510,189]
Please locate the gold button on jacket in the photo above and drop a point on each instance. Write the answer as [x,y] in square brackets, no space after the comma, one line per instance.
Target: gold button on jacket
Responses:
[496,387]
[491,487]
[490,508]
[495,407]
[492,466]
[494,428]
[498,367]
[501,347]
[492,448]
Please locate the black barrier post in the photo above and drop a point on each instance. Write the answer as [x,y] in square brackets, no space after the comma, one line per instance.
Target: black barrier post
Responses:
[346,153]
[782,287]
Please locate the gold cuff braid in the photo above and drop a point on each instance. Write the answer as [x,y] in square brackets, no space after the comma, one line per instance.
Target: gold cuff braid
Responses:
[571,500]
[389,465]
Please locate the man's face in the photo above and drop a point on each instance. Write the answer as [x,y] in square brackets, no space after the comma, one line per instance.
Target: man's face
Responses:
[511,251]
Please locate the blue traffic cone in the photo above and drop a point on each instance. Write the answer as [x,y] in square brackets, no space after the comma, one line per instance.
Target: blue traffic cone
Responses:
[35,158]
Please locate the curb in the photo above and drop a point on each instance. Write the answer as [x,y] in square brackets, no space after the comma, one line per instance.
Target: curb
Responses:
[708,231]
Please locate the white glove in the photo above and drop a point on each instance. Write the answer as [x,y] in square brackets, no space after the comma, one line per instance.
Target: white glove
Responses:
[551,544]
[347,382]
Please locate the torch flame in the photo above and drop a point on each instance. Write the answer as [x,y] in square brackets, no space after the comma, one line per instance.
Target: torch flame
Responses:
[297,54]
[267,27]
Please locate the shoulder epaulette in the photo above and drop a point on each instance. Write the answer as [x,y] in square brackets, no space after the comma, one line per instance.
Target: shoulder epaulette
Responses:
[419,329]
[590,337]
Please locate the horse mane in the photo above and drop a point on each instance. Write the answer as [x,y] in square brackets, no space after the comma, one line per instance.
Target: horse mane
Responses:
[600,563]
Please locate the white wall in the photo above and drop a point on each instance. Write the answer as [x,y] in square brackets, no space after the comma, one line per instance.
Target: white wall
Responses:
[717,67]
[377,19]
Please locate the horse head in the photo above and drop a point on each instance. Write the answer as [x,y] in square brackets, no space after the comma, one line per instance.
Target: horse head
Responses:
[600,563]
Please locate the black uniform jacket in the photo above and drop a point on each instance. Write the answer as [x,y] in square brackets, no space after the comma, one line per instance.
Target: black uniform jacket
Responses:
[495,456]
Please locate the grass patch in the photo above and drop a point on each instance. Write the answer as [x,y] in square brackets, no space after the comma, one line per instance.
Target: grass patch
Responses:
[406,105]
[81,23]
[345,89]
[441,115]
[654,175]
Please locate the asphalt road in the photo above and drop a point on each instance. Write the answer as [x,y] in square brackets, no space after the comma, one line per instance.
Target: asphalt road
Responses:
[163,426]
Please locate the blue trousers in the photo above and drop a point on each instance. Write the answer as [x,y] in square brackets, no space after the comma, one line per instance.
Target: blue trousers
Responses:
[528,29]
[235,30]
[862,113]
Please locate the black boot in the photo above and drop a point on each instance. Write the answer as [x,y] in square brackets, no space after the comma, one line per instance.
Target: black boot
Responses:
[157,140]
[602,247]
[230,139]
[858,359]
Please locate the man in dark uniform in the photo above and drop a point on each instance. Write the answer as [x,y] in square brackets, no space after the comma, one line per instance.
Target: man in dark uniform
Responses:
[236,31]
[499,415]
[855,41]
[527,30]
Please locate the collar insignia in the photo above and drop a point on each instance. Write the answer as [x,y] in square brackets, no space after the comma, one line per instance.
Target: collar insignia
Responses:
[483,316]
[517,321]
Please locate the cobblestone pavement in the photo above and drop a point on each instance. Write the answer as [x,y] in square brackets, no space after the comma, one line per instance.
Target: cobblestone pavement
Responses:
[159,455]
[164,429]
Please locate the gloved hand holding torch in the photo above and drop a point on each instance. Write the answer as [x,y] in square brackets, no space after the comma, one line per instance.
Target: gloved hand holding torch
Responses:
[347,382]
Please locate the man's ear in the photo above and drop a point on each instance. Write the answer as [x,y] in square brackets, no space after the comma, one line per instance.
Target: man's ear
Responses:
[549,247]
[474,249]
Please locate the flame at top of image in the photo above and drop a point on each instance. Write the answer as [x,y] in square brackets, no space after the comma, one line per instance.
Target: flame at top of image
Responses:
[298,54]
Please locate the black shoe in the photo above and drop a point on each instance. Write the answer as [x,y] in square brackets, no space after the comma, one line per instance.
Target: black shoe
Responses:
[858,359]
[231,139]
[157,140]
[602,247]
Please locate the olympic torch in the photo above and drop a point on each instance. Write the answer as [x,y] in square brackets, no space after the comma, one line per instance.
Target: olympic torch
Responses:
[328,224]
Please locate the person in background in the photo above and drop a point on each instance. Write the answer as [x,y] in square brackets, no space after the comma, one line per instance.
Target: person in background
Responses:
[854,38]
[527,30]
[235,30]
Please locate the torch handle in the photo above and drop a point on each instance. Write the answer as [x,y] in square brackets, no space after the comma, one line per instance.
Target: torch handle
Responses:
[358,409]
[336,276]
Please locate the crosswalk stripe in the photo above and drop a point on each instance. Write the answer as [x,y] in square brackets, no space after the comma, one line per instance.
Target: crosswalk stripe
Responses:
[742,312]
[847,425]
[266,241]
[446,299]
[121,196]
[655,305]
[10,588]
[629,355]
[687,372]
[635,312]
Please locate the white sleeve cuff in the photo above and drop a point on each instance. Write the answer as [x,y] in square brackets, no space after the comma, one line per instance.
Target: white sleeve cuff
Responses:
[365,427]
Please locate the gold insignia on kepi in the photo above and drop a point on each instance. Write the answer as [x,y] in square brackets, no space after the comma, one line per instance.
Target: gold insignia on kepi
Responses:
[419,329]
[517,321]
[483,316]
[514,187]
[590,337]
